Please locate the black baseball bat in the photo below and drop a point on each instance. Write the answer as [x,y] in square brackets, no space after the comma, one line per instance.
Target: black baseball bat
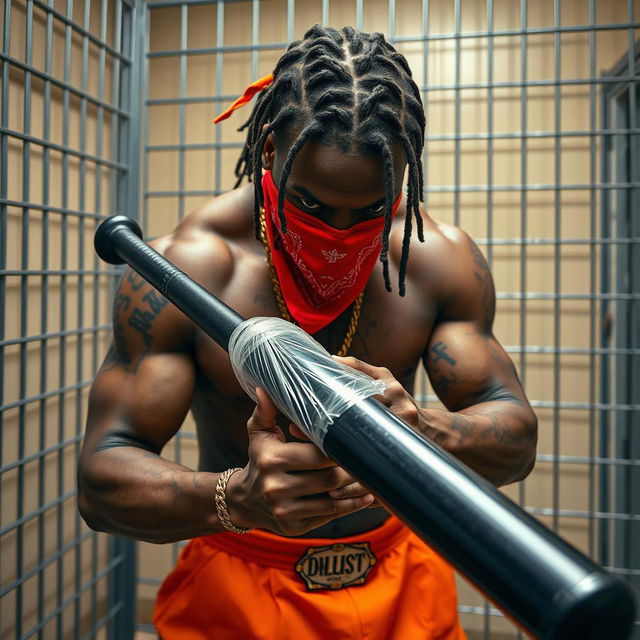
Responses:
[548,587]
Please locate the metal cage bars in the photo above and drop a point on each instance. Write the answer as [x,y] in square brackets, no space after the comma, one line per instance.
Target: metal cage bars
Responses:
[118,111]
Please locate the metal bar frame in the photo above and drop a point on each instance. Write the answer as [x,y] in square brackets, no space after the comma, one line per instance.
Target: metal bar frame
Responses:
[78,562]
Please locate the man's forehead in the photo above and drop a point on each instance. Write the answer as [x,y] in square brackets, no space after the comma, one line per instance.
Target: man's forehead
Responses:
[349,172]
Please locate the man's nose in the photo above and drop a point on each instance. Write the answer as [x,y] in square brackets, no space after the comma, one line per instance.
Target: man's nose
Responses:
[341,218]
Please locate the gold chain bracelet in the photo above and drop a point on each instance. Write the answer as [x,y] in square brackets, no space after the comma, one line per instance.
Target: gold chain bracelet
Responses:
[221,502]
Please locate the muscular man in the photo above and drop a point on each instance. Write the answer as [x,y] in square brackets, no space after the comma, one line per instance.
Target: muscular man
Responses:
[321,236]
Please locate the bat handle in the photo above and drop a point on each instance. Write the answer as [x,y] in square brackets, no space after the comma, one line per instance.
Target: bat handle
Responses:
[118,240]
[105,240]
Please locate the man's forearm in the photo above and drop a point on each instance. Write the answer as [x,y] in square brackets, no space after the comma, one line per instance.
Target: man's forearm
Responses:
[496,438]
[135,493]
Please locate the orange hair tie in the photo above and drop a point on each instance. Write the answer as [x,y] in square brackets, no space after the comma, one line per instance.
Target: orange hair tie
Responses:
[249,92]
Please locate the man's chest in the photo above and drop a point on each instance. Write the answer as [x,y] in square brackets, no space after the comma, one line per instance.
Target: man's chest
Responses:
[391,332]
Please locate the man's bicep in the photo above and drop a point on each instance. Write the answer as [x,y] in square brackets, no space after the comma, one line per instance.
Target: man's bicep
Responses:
[467,366]
[142,408]
[465,363]
[145,384]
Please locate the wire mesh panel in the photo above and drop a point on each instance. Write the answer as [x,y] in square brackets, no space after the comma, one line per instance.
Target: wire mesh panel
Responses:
[531,147]
[67,122]
[620,269]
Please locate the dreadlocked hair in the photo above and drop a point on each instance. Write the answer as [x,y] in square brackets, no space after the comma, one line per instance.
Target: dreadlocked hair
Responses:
[343,88]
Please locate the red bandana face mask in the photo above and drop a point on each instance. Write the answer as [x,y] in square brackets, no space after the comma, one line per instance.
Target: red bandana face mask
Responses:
[321,270]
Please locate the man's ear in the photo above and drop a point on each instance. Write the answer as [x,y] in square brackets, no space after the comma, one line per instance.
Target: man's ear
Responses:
[268,152]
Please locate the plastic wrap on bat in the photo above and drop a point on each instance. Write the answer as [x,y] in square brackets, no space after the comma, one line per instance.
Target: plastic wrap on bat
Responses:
[304,381]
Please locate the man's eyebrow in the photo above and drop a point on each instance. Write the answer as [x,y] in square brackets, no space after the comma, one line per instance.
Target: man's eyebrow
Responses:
[307,194]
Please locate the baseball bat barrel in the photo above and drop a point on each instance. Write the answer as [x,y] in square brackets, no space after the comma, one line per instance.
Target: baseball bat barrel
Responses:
[549,588]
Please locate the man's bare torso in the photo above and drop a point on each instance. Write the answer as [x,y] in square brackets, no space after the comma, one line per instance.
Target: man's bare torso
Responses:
[392,332]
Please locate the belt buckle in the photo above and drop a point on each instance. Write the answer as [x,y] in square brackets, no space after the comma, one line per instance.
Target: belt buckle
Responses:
[335,566]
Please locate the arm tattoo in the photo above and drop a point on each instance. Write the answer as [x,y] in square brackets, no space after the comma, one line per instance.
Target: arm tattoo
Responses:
[483,276]
[140,318]
[155,301]
[500,433]
[443,378]
[442,384]
[141,321]
[462,425]
[440,351]
[134,280]
[118,353]
[176,489]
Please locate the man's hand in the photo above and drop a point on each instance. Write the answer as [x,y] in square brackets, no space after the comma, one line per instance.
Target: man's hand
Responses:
[288,487]
[395,397]
[495,437]
[434,424]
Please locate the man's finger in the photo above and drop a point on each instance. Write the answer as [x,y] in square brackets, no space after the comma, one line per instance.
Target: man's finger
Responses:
[377,373]
[297,432]
[351,490]
[327,506]
[304,456]
[267,411]
[263,420]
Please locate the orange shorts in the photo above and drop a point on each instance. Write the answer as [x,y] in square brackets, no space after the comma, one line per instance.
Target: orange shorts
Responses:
[268,587]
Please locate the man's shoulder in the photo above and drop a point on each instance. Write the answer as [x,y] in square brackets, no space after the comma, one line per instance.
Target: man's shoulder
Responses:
[457,271]
[445,256]
[444,237]
[207,243]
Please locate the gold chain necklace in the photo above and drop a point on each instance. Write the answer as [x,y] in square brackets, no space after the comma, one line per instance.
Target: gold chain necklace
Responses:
[284,312]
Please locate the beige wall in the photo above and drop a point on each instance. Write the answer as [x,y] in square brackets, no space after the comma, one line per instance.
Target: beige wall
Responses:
[164,82]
